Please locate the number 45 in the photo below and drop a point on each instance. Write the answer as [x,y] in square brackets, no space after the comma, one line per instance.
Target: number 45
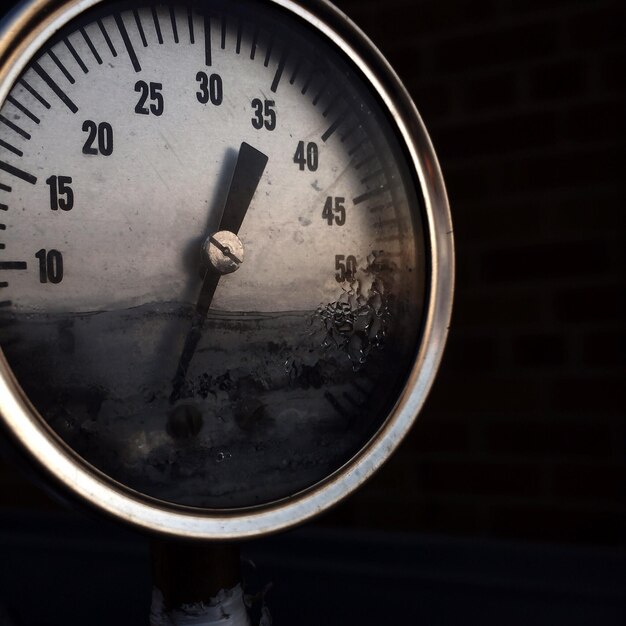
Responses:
[334,211]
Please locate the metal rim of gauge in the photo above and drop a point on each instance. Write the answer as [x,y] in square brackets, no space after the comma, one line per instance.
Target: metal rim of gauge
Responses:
[25,31]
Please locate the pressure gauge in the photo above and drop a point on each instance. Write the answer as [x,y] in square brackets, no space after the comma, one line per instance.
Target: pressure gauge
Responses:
[226,258]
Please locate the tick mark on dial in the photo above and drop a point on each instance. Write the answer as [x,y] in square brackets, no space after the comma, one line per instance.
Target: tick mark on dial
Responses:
[89,43]
[126,39]
[174,26]
[55,87]
[13,265]
[279,70]
[16,171]
[62,67]
[107,38]
[144,42]
[207,40]
[76,56]
[157,26]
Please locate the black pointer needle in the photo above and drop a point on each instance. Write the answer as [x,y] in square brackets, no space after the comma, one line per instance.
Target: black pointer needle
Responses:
[248,171]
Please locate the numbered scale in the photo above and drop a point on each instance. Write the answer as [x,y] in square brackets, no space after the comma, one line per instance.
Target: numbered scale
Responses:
[226,259]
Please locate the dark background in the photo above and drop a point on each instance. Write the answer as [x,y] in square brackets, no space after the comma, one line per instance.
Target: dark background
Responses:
[524,435]
[506,504]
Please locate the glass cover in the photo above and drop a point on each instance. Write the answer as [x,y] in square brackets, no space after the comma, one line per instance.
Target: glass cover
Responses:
[137,134]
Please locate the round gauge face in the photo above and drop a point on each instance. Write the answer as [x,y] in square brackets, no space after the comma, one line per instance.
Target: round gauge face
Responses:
[214,262]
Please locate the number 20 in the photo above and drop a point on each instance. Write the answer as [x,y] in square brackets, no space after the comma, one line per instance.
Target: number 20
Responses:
[103,133]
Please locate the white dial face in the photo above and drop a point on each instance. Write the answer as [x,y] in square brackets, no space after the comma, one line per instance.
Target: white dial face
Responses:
[127,143]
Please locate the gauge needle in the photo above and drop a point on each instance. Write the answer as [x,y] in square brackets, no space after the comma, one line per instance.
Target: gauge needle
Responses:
[248,171]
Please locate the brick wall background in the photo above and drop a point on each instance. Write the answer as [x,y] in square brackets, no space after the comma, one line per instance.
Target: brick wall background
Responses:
[524,435]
